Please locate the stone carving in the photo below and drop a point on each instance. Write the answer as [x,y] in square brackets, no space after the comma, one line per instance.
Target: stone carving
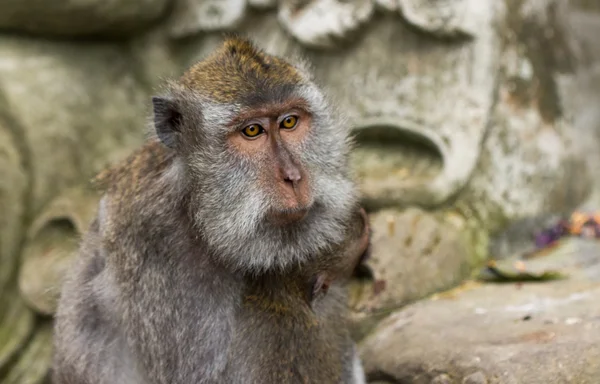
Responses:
[66,110]
[193,16]
[51,242]
[60,18]
[324,23]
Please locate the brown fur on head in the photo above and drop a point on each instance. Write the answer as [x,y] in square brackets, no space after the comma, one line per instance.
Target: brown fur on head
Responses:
[238,72]
[279,196]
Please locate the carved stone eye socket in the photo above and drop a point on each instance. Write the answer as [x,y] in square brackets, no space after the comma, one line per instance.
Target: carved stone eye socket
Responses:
[289,122]
[253,130]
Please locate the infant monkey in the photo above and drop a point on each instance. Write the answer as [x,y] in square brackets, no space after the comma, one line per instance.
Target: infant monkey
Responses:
[220,248]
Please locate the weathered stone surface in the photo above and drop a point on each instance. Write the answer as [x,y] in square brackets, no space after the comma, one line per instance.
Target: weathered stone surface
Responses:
[414,254]
[585,5]
[530,163]
[154,58]
[582,96]
[498,333]
[563,260]
[16,325]
[66,111]
[192,16]
[52,242]
[584,26]
[33,364]
[13,196]
[328,24]
[80,18]
[77,107]
[324,23]
[446,18]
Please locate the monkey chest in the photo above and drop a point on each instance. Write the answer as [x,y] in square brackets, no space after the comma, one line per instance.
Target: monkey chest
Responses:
[276,343]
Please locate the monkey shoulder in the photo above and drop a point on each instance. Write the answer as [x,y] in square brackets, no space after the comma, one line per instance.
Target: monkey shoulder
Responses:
[136,175]
[135,187]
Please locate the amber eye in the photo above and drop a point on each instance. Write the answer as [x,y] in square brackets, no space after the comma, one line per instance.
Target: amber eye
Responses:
[253,130]
[289,122]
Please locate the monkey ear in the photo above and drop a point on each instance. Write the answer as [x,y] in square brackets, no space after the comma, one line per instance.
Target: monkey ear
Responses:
[167,120]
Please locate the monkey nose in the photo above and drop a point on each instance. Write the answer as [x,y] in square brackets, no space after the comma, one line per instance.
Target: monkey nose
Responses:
[292,175]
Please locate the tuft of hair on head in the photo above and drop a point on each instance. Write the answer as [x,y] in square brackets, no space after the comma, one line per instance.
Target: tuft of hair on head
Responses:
[234,72]
[237,43]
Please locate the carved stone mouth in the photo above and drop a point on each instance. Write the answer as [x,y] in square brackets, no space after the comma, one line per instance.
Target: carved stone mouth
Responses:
[404,163]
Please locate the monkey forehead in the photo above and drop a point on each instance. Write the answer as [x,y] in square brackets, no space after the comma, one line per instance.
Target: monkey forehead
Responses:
[238,72]
[218,115]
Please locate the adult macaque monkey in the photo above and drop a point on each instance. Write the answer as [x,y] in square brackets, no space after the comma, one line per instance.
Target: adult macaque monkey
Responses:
[219,248]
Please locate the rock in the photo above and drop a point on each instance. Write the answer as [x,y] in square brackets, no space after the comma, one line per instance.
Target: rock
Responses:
[584,25]
[329,24]
[34,362]
[475,378]
[582,96]
[16,326]
[442,379]
[14,183]
[585,5]
[51,247]
[535,333]
[414,254]
[560,261]
[72,18]
[324,23]
[67,109]
[531,163]
[519,236]
[190,17]
[446,19]
[82,98]
[262,4]
[154,58]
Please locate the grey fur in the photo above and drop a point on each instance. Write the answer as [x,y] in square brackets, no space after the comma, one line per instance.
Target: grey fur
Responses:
[181,280]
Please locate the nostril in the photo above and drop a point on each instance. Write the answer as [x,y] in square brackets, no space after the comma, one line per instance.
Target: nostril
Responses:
[292,175]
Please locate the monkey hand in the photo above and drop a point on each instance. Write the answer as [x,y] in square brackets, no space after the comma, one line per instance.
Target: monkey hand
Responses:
[351,258]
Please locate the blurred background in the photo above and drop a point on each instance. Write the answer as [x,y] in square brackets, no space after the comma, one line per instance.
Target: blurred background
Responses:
[478,130]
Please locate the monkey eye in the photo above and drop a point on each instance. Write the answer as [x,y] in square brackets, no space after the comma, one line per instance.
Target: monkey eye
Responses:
[252,130]
[289,122]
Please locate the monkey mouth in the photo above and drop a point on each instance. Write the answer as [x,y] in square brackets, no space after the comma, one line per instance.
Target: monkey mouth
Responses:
[283,217]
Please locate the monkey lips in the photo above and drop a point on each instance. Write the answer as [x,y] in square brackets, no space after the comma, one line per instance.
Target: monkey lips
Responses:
[287,216]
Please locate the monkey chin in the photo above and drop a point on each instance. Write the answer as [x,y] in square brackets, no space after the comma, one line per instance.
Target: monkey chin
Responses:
[285,217]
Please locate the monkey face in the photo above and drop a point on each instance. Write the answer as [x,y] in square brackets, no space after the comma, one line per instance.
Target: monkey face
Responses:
[271,138]
[265,158]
